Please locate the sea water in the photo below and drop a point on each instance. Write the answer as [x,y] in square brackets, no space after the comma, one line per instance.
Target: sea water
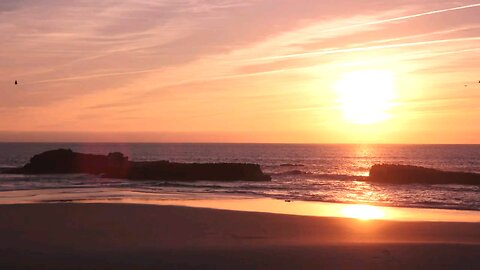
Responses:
[325,173]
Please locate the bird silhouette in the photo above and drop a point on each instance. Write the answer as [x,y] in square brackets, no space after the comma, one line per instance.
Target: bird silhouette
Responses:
[16,82]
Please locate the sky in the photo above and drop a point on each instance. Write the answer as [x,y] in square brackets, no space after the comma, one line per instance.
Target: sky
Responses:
[266,71]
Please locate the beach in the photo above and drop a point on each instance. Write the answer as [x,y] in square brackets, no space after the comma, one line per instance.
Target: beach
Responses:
[230,134]
[316,212]
[136,236]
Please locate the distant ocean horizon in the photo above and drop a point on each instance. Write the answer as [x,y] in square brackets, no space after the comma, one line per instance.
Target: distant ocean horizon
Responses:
[302,172]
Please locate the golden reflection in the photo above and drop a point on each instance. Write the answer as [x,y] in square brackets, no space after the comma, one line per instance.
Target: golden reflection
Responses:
[267,205]
[364,155]
[363,212]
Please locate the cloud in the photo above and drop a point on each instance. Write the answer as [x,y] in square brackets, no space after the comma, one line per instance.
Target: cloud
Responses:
[407,17]
[217,62]
[369,48]
[378,22]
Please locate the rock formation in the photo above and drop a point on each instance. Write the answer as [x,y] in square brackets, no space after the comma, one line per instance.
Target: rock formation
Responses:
[116,165]
[406,174]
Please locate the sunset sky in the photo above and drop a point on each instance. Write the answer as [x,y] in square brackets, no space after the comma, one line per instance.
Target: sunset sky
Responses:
[299,71]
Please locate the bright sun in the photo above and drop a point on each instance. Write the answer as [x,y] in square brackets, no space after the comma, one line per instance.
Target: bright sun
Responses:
[366,96]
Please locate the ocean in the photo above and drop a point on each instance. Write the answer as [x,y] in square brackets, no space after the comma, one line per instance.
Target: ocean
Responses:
[324,173]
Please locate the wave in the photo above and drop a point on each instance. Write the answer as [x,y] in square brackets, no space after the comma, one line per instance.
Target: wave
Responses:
[332,176]
[199,184]
[291,165]
[292,172]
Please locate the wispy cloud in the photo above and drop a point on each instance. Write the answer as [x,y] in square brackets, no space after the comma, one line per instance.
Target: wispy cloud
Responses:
[369,48]
[406,17]
[195,65]
[379,22]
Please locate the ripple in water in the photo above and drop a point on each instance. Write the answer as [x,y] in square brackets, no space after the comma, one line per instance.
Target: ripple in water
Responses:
[327,173]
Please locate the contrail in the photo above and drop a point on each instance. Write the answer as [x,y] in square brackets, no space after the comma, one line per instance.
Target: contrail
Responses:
[366,24]
[99,75]
[324,52]
[415,56]
[334,51]
[276,71]
[448,31]
[405,17]
[369,48]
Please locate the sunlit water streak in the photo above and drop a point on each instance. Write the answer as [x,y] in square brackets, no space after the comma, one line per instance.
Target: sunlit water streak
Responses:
[325,173]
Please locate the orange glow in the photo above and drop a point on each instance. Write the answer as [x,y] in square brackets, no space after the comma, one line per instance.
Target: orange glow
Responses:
[318,209]
[264,205]
[363,212]
[400,73]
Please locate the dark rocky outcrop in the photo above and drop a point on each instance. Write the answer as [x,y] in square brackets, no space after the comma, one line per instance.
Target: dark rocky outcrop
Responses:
[116,165]
[406,174]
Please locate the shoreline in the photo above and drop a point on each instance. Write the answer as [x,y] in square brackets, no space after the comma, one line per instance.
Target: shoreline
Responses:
[312,209]
[237,203]
[127,236]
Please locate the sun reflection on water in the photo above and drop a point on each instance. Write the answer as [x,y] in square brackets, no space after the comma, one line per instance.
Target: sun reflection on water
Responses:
[359,192]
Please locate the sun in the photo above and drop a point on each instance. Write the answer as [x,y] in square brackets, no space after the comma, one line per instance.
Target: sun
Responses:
[363,212]
[366,96]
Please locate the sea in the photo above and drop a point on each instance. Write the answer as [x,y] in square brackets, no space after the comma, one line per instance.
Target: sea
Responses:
[300,172]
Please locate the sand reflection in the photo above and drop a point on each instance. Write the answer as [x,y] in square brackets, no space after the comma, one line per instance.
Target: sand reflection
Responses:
[363,212]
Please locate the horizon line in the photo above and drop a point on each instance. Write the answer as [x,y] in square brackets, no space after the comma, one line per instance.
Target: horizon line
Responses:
[207,142]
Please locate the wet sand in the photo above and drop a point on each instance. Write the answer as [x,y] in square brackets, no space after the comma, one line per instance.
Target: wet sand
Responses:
[128,236]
